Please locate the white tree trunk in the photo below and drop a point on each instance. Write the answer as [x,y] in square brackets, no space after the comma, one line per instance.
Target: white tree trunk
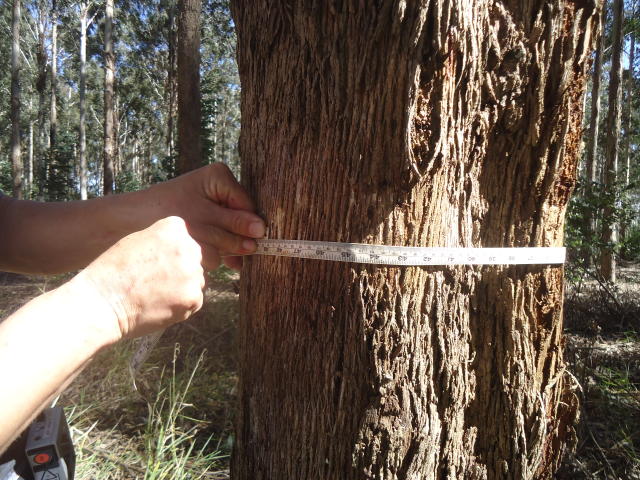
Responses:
[84,11]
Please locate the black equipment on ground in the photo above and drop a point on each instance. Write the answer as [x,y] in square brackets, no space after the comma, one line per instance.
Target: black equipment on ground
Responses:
[43,452]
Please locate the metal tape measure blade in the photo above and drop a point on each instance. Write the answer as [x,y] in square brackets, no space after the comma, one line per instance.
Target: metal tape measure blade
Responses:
[410,256]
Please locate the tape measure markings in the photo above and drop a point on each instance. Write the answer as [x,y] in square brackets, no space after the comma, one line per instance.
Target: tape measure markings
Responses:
[410,256]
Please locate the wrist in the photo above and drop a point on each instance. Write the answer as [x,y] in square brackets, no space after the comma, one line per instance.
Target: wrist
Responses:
[155,203]
[94,312]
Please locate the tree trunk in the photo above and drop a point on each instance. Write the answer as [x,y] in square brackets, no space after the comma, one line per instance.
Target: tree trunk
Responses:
[16,157]
[117,161]
[53,120]
[189,102]
[30,166]
[453,124]
[109,80]
[84,12]
[609,228]
[594,126]
[41,87]
[629,102]
[171,91]
[626,121]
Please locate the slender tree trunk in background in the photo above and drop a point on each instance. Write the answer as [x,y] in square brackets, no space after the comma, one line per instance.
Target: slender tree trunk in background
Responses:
[172,89]
[30,173]
[223,132]
[629,103]
[84,12]
[626,121]
[109,80]
[451,124]
[41,87]
[214,130]
[609,228]
[189,101]
[117,161]
[16,157]
[591,156]
[53,120]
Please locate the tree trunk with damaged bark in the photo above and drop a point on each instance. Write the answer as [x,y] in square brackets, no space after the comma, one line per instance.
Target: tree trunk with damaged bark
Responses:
[453,124]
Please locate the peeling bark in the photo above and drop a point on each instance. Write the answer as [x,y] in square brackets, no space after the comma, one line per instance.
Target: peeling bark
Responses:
[436,123]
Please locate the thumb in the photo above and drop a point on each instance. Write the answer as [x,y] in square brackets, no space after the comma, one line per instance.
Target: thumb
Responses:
[224,189]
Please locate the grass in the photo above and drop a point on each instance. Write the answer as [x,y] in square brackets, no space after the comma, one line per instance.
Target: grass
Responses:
[171,435]
[121,434]
[178,424]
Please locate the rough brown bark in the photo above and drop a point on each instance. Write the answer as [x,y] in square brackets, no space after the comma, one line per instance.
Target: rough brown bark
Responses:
[437,123]
[109,92]
[609,227]
[189,101]
[16,157]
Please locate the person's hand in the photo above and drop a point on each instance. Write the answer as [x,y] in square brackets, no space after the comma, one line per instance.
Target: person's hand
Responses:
[218,212]
[150,279]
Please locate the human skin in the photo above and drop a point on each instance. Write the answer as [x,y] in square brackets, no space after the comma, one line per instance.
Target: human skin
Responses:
[38,237]
[145,255]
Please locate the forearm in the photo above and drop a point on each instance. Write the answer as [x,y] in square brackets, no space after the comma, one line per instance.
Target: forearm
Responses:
[44,345]
[40,237]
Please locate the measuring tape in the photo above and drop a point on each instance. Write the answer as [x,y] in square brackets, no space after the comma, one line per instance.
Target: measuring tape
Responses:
[383,255]
[410,256]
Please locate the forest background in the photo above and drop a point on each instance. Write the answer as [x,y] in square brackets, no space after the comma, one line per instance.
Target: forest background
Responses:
[62,138]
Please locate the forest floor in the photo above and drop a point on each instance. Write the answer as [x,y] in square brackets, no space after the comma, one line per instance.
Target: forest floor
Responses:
[178,422]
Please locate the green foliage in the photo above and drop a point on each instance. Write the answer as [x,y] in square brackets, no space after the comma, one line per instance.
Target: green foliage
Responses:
[223,274]
[630,245]
[127,181]
[5,176]
[220,87]
[60,174]
[585,222]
